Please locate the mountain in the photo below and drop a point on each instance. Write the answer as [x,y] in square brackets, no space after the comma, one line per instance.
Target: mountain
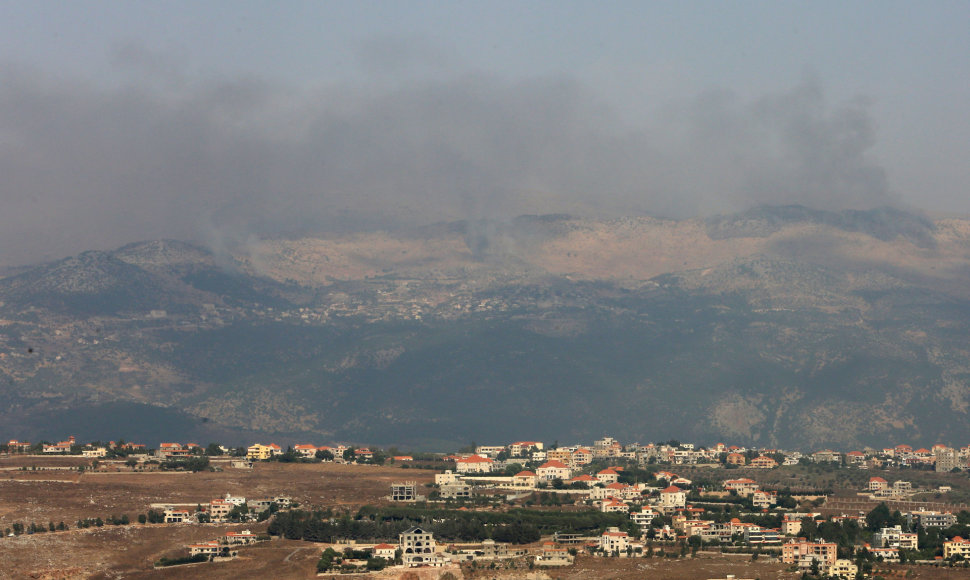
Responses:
[780,326]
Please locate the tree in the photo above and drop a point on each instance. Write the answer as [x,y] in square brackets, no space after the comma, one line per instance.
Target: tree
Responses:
[213,450]
[878,518]
[324,455]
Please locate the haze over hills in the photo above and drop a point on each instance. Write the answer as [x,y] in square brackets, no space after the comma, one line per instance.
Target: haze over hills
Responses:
[779,326]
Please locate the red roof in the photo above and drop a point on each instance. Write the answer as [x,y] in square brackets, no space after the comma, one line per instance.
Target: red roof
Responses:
[672,489]
[877,480]
[475,459]
[553,464]
[525,474]
[383,546]
[607,472]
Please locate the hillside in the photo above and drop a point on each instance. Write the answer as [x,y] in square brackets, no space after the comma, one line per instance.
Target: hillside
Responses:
[780,326]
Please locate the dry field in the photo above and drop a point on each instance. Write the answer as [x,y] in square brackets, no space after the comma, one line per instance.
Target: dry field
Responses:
[52,493]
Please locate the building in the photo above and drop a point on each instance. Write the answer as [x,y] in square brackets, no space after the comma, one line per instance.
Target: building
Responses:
[743,486]
[173,516]
[474,464]
[446,477]
[877,484]
[803,552]
[212,548]
[244,537]
[947,459]
[418,548]
[841,569]
[457,490]
[260,452]
[554,470]
[553,555]
[525,479]
[386,551]
[929,519]
[764,462]
[607,476]
[614,541]
[896,538]
[956,547]
[404,491]
[672,498]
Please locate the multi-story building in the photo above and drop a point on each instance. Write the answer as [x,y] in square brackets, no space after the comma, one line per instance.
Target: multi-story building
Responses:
[418,548]
[613,540]
[801,552]
[895,537]
[404,491]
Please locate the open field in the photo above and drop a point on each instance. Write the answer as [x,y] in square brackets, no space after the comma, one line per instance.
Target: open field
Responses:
[58,495]
[55,494]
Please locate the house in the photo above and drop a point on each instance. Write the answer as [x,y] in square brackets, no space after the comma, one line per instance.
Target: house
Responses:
[15,446]
[614,541]
[211,548]
[791,526]
[446,477]
[244,537]
[174,516]
[306,450]
[764,462]
[94,451]
[525,479]
[877,484]
[584,479]
[826,456]
[743,486]
[523,448]
[260,452]
[553,470]
[553,554]
[764,499]
[386,551]
[418,548]
[735,459]
[754,534]
[613,505]
[672,498]
[643,518]
[582,457]
[474,464]
[489,450]
[956,547]
[219,510]
[607,476]
[60,447]
[841,569]
[896,538]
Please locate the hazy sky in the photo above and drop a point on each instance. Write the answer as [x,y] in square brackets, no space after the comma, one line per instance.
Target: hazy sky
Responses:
[122,121]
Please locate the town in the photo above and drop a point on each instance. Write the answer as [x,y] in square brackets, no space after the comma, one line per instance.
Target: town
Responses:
[532,504]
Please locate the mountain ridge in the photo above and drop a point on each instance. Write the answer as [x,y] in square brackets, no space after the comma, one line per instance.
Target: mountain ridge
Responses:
[817,329]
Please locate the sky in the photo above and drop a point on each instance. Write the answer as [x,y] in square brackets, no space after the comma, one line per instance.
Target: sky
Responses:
[221,121]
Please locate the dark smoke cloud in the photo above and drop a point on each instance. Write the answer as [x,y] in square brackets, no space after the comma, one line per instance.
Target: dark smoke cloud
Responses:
[87,167]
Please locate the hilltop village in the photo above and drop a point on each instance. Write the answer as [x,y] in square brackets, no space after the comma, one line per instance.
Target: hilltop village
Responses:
[528,504]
